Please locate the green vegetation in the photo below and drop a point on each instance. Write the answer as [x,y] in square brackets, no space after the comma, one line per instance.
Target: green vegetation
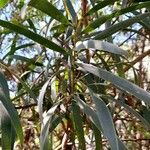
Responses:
[73,74]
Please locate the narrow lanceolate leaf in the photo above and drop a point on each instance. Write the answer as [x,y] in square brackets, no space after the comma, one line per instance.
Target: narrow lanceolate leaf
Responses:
[12,113]
[121,25]
[102,19]
[71,10]
[106,121]
[78,123]
[41,98]
[3,3]
[49,9]
[118,82]
[91,114]
[136,114]
[98,138]
[33,36]
[45,127]
[7,130]
[100,5]
[100,45]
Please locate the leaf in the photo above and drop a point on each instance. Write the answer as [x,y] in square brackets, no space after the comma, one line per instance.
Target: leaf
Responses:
[41,98]
[5,100]
[71,10]
[3,3]
[100,5]
[49,9]
[102,19]
[98,138]
[33,36]
[106,121]
[119,26]
[100,45]
[45,126]
[7,130]
[118,81]
[136,114]
[91,114]
[78,123]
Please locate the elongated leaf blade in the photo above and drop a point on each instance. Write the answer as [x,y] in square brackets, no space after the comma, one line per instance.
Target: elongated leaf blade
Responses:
[118,82]
[98,138]
[106,121]
[102,19]
[41,98]
[100,5]
[119,26]
[100,45]
[71,9]
[33,36]
[5,100]
[49,9]
[136,114]
[7,130]
[45,127]
[89,112]
[78,123]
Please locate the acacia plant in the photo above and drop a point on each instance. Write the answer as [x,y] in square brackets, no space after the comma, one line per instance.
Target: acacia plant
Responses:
[67,79]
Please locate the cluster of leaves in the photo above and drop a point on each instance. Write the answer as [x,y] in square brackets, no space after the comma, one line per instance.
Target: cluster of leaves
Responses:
[76,76]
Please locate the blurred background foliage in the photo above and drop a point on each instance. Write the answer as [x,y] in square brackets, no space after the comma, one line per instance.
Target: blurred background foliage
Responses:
[65,67]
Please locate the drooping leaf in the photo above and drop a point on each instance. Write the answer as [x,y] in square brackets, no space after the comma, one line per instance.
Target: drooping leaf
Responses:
[49,9]
[118,82]
[106,121]
[91,114]
[71,10]
[3,3]
[100,5]
[5,100]
[7,130]
[136,114]
[35,37]
[121,25]
[102,19]
[45,127]
[41,98]
[100,45]
[78,123]
[98,138]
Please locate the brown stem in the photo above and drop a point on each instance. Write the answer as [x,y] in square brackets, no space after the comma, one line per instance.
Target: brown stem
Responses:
[136,60]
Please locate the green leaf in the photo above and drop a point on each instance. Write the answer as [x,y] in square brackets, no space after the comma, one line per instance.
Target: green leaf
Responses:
[100,45]
[49,9]
[91,114]
[5,100]
[45,127]
[78,123]
[3,3]
[71,10]
[100,5]
[121,25]
[102,19]
[106,121]
[7,130]
[33,36]
[98,138]
[41,98]
[136,114]
[118,82]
